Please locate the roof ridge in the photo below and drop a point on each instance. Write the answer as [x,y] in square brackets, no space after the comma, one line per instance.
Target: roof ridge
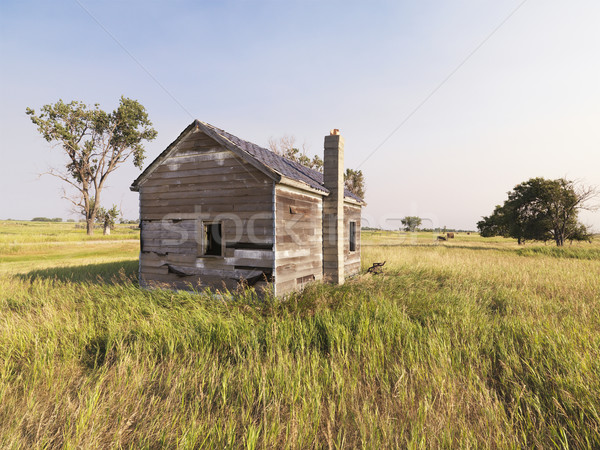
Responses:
[289,161]
[303,171]
[265,157]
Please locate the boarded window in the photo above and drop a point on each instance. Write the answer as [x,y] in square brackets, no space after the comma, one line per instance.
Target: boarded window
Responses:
[212,241]
[352,235]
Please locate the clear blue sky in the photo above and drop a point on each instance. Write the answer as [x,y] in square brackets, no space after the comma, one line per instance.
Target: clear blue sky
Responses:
[525,104]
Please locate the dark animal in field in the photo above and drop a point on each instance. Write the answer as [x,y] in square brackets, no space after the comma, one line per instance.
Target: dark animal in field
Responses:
[450,235]
[376,268]
[441,238]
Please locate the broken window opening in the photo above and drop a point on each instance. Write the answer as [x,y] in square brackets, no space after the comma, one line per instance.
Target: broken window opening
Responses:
[213,239]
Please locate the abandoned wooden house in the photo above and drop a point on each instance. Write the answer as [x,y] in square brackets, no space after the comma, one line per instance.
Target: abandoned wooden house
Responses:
[217,211]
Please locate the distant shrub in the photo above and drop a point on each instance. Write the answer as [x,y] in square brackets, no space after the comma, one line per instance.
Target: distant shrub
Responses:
[47,219]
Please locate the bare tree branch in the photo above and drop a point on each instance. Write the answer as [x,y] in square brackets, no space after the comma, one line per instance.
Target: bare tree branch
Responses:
[63,177]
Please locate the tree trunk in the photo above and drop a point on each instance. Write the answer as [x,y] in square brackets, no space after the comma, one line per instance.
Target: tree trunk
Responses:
[90,226]
[106,230]
[559,237]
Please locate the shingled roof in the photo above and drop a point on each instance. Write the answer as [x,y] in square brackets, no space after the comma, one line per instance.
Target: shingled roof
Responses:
[274,162]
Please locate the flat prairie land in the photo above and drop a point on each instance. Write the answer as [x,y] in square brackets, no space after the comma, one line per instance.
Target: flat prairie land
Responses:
[25,246]
[470,342]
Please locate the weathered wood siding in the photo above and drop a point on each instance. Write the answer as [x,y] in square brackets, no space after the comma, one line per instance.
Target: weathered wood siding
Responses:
[351,259]
[298,242]
[203,181]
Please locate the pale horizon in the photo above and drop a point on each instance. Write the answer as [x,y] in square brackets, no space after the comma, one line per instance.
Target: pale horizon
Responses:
[524,104]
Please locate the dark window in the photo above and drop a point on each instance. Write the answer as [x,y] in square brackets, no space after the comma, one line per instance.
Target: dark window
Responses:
[352,233]
[212,239]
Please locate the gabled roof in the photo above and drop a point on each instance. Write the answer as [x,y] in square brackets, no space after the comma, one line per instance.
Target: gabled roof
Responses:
[273,165]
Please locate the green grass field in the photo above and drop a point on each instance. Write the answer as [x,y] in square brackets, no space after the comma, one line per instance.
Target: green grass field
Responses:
[467,343]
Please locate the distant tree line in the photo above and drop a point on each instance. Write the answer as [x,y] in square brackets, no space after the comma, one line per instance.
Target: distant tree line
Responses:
[47,219]
[112,216]
[445,229]
[425,230]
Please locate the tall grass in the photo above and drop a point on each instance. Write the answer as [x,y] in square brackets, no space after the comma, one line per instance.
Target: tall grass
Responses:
[562,252]
[458,345]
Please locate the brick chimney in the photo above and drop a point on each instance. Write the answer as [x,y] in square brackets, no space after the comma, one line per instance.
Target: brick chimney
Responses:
[333,208]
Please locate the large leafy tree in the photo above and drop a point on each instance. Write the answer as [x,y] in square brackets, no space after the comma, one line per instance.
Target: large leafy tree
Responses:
[286,146]
[540,209]
[411,223]
[95,144]
[354,181]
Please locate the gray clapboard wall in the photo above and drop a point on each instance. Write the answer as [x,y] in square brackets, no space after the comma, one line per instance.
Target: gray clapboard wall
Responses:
[352,213]
[298,243]
[203,181]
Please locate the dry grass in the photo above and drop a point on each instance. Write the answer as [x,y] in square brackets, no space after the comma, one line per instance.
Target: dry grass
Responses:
[469,343]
